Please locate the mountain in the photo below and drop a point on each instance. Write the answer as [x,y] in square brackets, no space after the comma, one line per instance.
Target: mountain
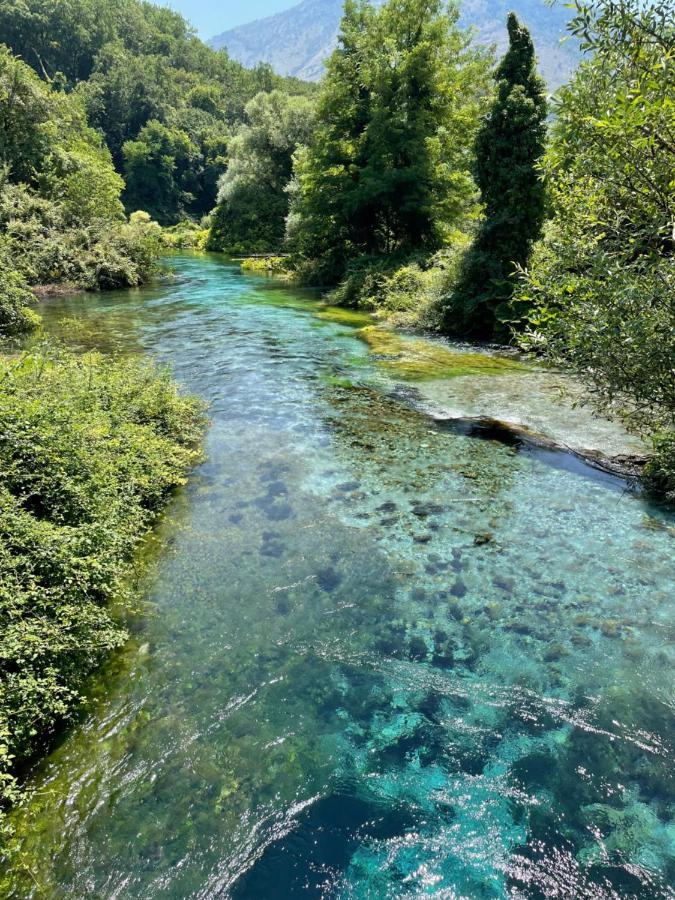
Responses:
[298,40]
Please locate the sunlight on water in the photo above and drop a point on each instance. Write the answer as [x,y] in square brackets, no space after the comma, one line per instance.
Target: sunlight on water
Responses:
[379,658]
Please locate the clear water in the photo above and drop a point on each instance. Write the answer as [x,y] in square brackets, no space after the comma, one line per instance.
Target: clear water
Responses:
[379,658]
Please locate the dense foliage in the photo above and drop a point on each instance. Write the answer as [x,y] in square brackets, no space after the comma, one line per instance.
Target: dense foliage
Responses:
[601,287]
[125,109]
[388,168]
[82,477]
[253,197]
[164,101]
[15,298]
[509,146]
[61,216]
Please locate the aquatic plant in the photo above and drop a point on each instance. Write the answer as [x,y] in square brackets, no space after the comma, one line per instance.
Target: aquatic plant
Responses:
[414,359]
[266,265]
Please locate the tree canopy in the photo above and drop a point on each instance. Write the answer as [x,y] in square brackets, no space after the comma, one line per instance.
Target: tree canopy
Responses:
[61,214]
[601,286]
[253,197]
[387,169]
[134,63]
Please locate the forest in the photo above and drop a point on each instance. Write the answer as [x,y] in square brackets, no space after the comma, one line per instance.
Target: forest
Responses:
[423,181]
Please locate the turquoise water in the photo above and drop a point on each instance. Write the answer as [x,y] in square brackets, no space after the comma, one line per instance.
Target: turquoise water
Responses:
[379,657]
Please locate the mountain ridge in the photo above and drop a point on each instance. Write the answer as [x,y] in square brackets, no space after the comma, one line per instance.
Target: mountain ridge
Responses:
[297,40]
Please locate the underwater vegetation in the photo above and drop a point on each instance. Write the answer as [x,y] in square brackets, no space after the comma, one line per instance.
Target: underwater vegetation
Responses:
[380,657]
[417,359]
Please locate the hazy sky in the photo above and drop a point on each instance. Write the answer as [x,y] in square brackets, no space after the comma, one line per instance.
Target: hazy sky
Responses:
[210,18]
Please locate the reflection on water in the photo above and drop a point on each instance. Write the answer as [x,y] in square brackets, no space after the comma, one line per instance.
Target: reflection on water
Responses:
[382,659]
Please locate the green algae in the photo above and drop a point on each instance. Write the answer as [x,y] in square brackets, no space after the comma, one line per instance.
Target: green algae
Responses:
[266,265]
[312,674]
[342,316]
[416,359]
[337,381]
[308,302]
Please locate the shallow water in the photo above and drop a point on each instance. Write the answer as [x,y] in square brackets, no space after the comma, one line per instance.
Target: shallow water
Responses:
[380,658]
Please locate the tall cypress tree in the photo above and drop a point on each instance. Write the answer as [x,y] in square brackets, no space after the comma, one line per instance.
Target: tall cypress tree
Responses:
[509,145]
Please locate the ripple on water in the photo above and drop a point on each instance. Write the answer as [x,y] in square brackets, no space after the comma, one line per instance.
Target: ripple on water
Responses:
[386,659]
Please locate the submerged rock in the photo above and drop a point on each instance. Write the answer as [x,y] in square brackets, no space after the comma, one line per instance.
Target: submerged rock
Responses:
[459,588]
[328,579]
[400,730]
[417,649]
[504,583]
[514,434]
[348,486]
[554,652]
[423,510]
[455,611]
[444,653]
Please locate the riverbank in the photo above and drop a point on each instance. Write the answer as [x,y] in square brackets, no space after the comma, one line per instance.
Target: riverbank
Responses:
[90,449]
[409,297]
[378,639]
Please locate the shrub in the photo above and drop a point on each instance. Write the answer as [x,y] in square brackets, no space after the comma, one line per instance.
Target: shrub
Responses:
[82,478]
[45,248]
[15,299]
[659,476]
[404,291]
[185,236]
[267,265]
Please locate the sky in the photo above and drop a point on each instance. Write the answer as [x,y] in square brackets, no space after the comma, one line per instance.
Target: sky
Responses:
[210,18]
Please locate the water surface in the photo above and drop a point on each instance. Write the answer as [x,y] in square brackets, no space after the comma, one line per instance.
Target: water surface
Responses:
[379,658]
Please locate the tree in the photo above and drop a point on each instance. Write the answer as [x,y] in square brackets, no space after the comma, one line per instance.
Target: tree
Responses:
[414,180]
[124,93]
[252,196]
[387,169]
[160,170]
[24,119]
[321,226]
[601,285]
[46,143]
[509,147]
[132,63]
[57,37]
[61,217]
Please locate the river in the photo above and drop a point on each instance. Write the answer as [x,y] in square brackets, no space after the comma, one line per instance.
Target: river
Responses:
[378,656]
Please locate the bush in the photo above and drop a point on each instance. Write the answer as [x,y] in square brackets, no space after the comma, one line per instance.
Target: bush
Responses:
[659,476]
[267,265]
[15,299]
[46,248]
[403,291]
[185,236]
[82,478]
